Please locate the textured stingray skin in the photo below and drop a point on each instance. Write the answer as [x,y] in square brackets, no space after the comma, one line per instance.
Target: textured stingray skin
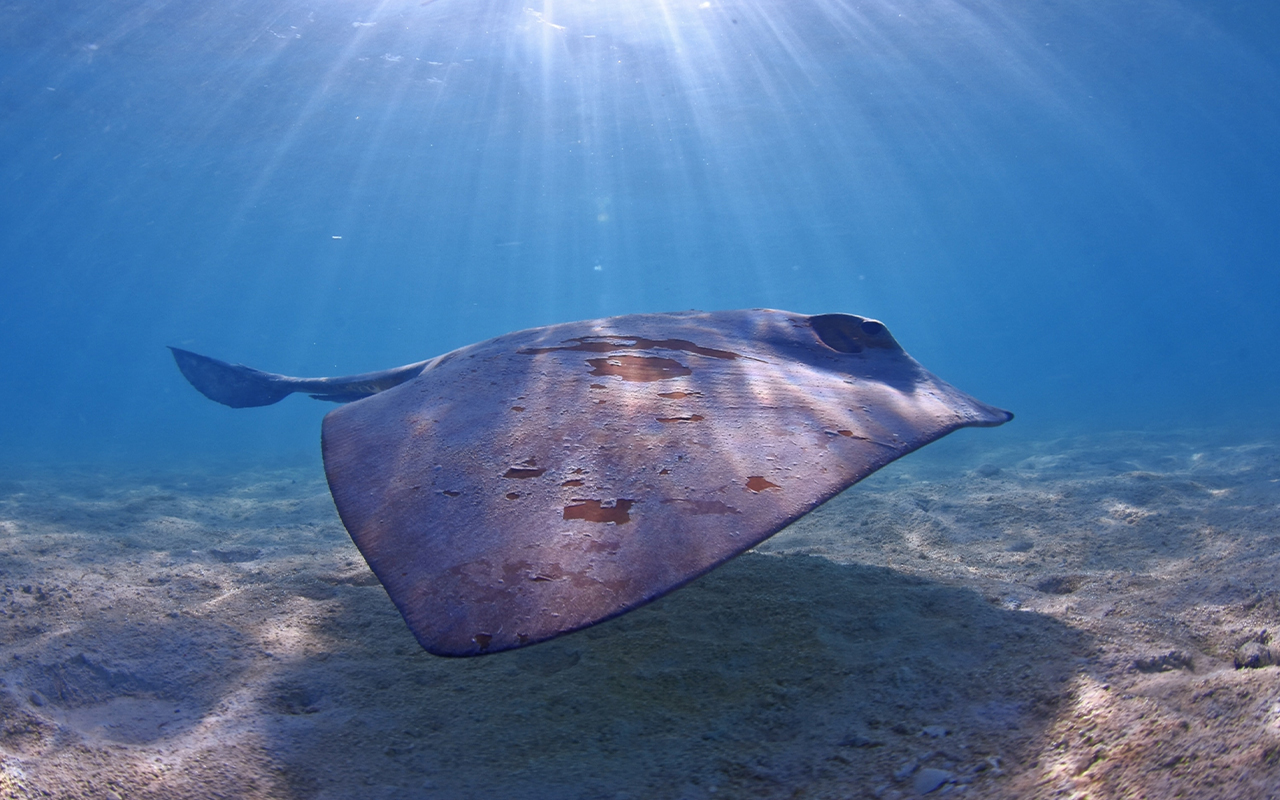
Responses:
[546,480]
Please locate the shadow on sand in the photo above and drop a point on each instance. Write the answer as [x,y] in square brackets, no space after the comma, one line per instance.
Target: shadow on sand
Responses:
[775,676]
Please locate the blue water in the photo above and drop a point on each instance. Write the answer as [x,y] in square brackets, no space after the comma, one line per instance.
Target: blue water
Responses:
[1069,209]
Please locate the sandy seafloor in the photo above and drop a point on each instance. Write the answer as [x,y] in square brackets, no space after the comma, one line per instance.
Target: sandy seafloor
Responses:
[988,617]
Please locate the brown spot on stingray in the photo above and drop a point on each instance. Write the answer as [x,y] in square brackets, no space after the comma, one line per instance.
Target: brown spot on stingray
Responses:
[573,482]
[598,386]
[679,395]
[513,495]
[450,493]
[482,640]
[758,483]
[517,408]
[639,368]
[689,418]
[596,511]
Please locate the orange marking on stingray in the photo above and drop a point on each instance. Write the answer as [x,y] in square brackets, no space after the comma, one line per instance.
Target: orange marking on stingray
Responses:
[639,368]
[758,483]
[596,511]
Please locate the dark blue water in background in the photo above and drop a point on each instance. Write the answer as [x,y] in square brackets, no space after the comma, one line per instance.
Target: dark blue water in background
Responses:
[1069,209]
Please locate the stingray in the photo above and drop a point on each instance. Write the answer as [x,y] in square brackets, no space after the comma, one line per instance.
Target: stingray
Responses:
[535,484]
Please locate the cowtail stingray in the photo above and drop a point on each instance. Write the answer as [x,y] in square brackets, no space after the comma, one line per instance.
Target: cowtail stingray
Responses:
[540,482]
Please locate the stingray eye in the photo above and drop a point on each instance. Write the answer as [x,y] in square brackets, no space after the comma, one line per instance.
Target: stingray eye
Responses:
[841,332]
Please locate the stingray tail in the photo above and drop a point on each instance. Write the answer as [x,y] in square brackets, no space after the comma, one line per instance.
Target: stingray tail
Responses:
[239,386]
[232,385]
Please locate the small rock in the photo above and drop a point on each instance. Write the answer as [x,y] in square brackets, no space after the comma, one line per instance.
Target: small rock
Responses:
[928,779]
[935,731]
[1174,659]
[1253,655]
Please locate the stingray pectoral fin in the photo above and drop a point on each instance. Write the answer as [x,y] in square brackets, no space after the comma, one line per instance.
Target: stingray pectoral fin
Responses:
[232,385]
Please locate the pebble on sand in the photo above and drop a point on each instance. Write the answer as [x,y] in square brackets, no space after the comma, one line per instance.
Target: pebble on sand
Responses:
[928,779]
[1253,655]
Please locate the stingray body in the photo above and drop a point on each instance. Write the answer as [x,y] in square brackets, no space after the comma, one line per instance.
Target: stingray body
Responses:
[540,482]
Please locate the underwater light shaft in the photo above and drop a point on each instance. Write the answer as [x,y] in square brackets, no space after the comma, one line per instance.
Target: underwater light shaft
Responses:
[323,188]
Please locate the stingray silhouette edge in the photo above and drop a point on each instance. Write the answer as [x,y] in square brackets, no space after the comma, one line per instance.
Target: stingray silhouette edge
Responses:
[541,482]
